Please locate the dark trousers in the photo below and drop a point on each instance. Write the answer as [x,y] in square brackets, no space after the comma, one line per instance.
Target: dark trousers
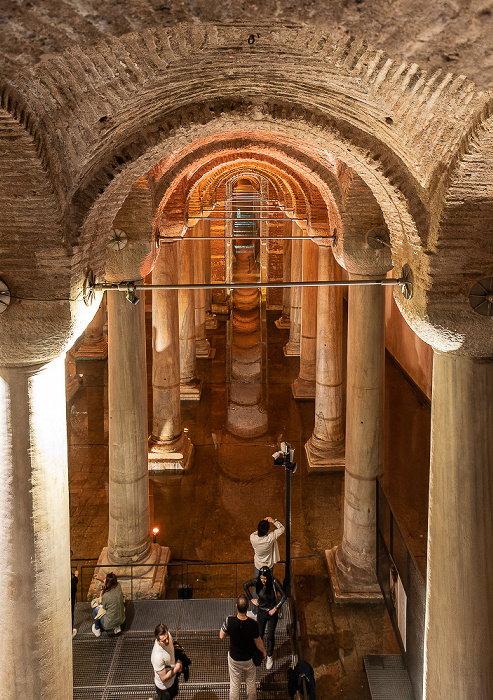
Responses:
[264,621]
[168,693]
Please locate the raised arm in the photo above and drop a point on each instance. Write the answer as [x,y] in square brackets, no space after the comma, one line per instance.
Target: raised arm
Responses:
[247,585]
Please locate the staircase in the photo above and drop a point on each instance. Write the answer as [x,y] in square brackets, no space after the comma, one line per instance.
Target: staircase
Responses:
[116,668]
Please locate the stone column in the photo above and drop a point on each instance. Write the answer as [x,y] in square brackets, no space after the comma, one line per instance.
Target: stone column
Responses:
[293,345]
[202,346]
[169,447]
[35,629]
[459,591]
[325,448]
[352,564]
[210,319]
[304,386]
[283,321]
[128,535]
[94,345]
[190,385]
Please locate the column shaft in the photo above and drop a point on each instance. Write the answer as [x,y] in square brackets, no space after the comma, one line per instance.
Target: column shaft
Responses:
[352,564]
[169,448]
[325,449]
[459,595]
[283,321]
[304,386]
[35,630]
[293,344]
[190,388]
[128,535]
[202,345]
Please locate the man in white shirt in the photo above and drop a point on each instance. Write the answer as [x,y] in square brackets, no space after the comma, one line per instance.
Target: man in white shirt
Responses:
[164,665]
[265,545]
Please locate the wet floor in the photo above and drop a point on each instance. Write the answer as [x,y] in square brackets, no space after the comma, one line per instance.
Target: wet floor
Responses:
[208,514]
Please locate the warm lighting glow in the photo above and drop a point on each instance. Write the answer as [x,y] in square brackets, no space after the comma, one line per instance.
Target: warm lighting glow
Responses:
[155,531]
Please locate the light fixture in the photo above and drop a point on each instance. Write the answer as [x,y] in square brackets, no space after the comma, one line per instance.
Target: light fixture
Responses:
[131,296]
[155,533]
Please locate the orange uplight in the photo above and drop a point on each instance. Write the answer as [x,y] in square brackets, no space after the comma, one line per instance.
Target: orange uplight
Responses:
[155,531]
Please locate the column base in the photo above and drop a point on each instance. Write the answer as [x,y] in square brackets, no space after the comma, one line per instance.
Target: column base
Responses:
[191,391]
[291,349]
[221,308]
[282,322]
[146,580]
[176,457]
[303,390]
[211,322]
[203,350]
[347,589]
[330,459]
[92,351]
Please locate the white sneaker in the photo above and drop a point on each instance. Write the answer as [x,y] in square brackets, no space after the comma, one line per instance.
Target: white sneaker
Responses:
[269,663]
[96,633]
[74,632]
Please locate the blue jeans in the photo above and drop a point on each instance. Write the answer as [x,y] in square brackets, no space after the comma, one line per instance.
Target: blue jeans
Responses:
[98,624]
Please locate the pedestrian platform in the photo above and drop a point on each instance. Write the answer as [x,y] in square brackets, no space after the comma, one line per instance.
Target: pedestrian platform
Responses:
[387,677]
[119,667]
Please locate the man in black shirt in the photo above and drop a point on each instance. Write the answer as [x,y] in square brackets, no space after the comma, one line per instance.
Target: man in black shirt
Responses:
[243,636]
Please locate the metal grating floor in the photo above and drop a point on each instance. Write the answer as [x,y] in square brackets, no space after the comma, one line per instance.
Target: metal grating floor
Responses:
[387,677]
[109,667]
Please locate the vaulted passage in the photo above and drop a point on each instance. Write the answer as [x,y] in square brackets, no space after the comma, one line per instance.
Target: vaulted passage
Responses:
[236,238]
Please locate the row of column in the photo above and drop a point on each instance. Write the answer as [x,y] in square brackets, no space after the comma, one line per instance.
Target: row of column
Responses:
[458,650]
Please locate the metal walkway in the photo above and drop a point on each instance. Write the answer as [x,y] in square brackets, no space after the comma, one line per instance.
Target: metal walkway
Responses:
[387,677]
[115,668]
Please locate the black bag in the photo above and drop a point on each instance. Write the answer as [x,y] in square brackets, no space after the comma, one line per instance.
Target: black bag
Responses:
[257,656]
[180,655]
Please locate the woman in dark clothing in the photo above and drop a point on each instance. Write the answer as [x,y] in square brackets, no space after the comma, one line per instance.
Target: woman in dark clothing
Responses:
[267,589]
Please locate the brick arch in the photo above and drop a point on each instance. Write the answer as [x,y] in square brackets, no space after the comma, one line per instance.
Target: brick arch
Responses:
[315,190]
[104,107]
[460,253]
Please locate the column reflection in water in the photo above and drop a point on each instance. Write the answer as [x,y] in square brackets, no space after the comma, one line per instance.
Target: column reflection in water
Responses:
[246,415]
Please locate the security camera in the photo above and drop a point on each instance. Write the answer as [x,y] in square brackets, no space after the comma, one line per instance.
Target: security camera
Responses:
[278,454]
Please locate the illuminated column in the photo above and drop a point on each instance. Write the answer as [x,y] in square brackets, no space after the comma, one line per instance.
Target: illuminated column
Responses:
[190,386]
[459,590]
[202,346]
[264,230]
[94,345]
[128,534]
[283,321]
[293,345]
[352,564]
[304,386]
[35,545]
[325,448]
[169,447]
[210,319]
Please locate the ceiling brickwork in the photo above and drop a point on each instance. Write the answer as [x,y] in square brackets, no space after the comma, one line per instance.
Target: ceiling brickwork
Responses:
[98,97]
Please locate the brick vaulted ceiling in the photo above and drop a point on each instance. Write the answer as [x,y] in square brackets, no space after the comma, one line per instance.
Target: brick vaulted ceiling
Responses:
[96,97]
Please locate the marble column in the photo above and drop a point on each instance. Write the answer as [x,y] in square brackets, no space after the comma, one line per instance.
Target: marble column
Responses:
[293,345]
[128,538]
[210,318]
[190,385]
[325,448]
[170,448]
[304,386]
[35,629]
[283,321]
[94,346]
[202,346]
[459,591]
[352,564]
